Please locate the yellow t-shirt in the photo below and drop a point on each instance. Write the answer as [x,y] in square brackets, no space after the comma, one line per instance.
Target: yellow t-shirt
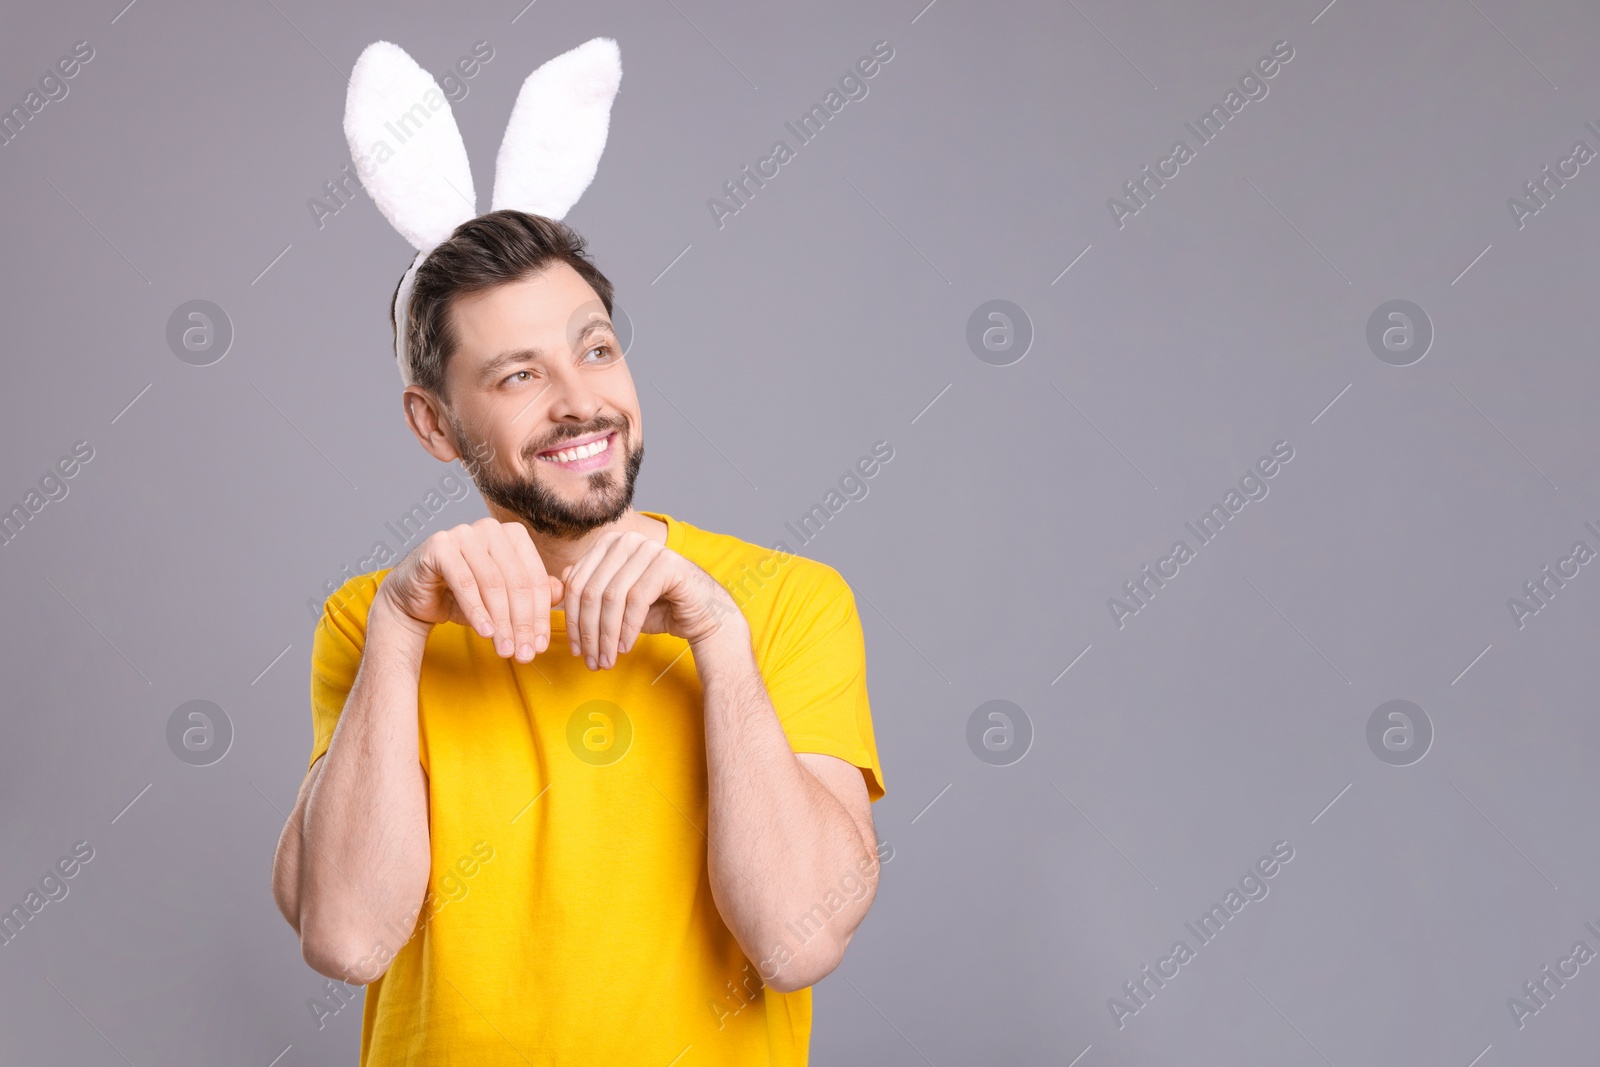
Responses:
[569,918]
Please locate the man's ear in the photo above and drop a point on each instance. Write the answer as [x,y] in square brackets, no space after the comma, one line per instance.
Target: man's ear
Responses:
[425,415]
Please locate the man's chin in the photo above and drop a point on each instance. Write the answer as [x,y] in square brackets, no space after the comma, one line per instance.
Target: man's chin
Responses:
[556,515]
[566,505]
[574,521]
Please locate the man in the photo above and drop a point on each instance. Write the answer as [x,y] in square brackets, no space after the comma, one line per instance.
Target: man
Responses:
[589,785]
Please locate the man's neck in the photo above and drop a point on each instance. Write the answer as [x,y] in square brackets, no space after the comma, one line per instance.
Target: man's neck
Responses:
[558,554]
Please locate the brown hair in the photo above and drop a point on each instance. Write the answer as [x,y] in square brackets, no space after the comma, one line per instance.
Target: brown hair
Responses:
[493,249]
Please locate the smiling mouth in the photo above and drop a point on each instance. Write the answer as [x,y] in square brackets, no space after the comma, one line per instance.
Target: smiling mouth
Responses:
[588,454]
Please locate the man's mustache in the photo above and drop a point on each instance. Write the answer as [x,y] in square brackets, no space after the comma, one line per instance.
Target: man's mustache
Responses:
[482,452]
[620,426]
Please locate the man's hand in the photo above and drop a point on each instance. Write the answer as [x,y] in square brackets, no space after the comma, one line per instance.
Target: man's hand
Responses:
[487,575]
[627,584]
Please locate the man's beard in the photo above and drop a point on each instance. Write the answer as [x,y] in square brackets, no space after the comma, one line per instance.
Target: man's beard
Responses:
[544,509]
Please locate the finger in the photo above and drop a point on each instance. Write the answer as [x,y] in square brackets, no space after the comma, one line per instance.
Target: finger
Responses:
[573,580]
[545,588]
[519,585]
[619,589]
[598,593]
[644,590]
[565,602]
[451,565]
[491,585]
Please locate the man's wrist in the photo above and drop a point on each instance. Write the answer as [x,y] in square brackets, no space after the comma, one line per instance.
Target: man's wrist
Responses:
[726,647]
[392,630]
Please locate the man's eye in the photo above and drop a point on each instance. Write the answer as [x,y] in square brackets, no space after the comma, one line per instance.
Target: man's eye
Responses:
[606,351]
[513,376]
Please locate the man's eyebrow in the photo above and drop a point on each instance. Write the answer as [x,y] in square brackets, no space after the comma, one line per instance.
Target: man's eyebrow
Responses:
[506,359]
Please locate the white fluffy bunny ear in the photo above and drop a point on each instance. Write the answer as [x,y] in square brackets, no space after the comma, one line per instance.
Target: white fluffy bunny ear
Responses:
[404,139]
[557,131]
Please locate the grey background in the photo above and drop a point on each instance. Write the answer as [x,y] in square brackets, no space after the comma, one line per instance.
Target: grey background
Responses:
[1229,314]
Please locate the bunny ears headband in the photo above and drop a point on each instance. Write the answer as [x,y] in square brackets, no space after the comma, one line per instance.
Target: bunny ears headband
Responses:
[423,185]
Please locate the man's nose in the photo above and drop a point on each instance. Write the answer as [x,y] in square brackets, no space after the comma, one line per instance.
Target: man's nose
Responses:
[570,397]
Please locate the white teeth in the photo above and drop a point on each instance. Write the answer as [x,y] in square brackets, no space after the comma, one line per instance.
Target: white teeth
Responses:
[569,455]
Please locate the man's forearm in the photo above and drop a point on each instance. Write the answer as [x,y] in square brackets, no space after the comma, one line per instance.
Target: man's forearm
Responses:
[364,856]
[779,840]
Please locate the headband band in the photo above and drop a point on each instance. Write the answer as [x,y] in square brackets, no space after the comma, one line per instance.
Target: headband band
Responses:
[402,319]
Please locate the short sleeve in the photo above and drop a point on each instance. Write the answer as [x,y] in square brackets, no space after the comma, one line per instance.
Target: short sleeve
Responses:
[336,646]
[817,681]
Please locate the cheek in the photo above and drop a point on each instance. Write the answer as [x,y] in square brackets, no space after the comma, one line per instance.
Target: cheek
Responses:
[493,452]
[509,429]
[623,404]
[621,395]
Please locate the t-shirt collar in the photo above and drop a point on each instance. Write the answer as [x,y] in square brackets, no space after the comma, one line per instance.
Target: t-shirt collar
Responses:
[674,529]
